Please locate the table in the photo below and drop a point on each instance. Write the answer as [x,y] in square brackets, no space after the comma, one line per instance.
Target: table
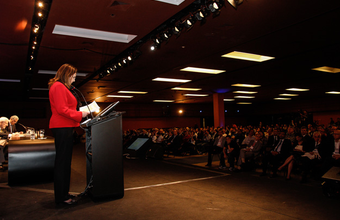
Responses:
[30,160]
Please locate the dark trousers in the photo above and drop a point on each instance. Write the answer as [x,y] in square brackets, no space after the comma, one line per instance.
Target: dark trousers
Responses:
[216,150]
[232,156]
[62,166]
[274,160]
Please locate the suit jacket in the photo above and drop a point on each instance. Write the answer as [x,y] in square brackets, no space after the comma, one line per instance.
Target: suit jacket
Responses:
[217,139]
[285,148]
[257,147]
[272,141]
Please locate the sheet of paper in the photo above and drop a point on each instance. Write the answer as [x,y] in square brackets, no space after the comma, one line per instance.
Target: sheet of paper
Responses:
[93,107]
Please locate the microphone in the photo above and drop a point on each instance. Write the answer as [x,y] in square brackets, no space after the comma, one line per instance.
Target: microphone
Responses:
[23,126]
[74,88]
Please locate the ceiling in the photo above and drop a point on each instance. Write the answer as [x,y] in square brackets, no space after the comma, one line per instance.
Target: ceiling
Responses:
[301,35]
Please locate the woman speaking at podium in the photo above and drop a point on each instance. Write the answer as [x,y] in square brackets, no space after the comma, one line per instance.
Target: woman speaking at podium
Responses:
[65,117]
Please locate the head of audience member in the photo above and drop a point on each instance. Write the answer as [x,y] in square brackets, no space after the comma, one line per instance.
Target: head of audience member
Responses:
[3,123]
[336,135]
[228,139]
[303,130]
[298,137]
[13,119]
[275,132]
[290,130]
[282,134]
[317,136]
[251,133]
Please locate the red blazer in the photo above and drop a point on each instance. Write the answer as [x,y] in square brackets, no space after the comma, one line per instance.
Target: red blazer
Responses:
[64,107]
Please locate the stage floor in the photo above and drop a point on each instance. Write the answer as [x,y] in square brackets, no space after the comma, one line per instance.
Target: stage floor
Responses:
[174,188]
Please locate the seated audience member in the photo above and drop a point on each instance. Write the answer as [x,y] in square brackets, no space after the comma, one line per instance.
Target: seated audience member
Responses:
[217,148]
[253,149]
[277,155]
[248,138]
[273,139]
[203,144]
[290,134]
[300,147]
[144,134]
[174,143]
[331,152]
[239,137]
[310,160]
[306,138]
[3,141]
[232,150]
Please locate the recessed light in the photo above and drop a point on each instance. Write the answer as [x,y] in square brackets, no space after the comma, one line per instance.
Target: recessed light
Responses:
[9,80]
[173,2]
[186,89]
[171,80]
[40,89]
[244,97]
[119,96]
[163,100]
[196,95]
[245,85]
[280,98]
[297,89]
[333,92]
[244,103]
[228,100]
[247,56]
[133,92]
[202,70]
[92,34]
[245,92]
[327,69]
[288,94]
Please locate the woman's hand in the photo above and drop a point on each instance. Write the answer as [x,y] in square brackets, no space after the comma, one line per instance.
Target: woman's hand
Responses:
[84,114]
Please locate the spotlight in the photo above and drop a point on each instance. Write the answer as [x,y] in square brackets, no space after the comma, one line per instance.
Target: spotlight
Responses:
[199,15]
[213,7]
[129,58]
[40,14]
[153,47]
[177,29]
[189,23]
[235,3]
[36,28]
[166,35]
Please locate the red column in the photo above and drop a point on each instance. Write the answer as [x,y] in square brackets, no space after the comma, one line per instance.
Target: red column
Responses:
[219,120]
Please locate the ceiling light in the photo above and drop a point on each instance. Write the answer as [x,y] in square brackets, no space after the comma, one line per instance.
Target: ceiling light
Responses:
[9,80]
[40,89]
[171,80]
[245,92]
[36,28]
[247,56]
[40,4]
[163,100]
[40,14]
[228,100]
[280,98]
[235,3]
[119,96]
[199,95]
[202,70]
[286,94]
[244,97]
[177,29]
[297,89]
[51,72]
[133,92]
[333,92]
[327,69]
[92,34]
[186,89]
[173,2]
[244,103]
[245,85]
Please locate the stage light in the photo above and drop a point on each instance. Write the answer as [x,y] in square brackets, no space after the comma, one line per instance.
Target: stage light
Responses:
[36,28]
[40,14]
[40,4]
[213,7]
[235,3]
[177,29]
[189,22]
[199,15]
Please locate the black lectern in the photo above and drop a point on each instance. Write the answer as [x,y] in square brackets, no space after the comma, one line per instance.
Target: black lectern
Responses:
[104,150]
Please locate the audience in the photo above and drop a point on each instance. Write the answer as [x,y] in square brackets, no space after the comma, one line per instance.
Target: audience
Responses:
[311,149]
[3,139]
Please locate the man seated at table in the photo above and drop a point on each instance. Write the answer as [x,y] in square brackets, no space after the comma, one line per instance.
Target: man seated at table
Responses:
[3,139]
[12,125]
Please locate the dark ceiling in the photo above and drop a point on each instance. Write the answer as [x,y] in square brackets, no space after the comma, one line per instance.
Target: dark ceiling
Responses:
[301,35]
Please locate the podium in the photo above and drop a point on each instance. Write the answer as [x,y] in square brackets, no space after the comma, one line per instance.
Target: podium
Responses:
[104,160]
